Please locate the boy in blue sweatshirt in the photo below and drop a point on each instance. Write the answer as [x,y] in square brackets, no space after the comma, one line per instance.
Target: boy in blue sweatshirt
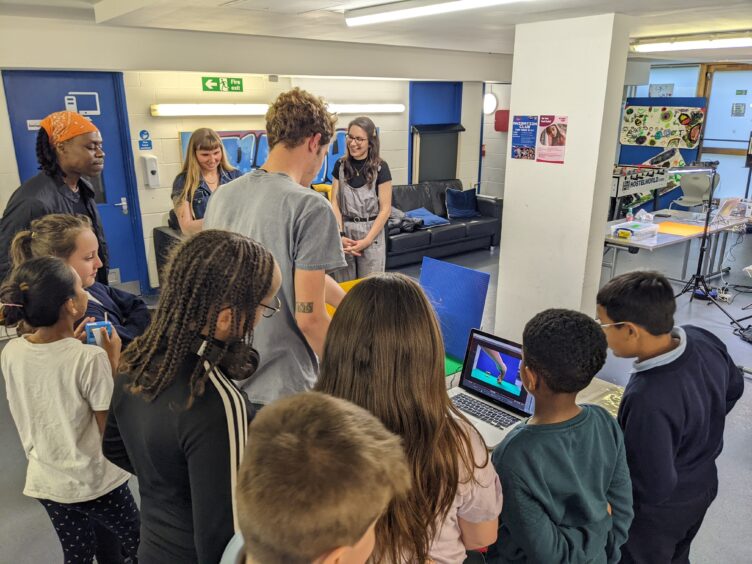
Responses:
[673,413]
[567,493]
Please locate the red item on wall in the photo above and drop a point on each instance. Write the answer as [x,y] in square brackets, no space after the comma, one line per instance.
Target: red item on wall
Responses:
[501,120]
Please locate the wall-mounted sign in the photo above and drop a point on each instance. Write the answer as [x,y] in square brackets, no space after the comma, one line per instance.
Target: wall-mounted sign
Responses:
[221,84]
[738,110]
[552,139]
[524,132]
[661,90]
[741,92]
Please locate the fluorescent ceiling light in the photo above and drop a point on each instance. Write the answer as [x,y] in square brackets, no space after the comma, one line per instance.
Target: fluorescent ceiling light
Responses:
[366,108]
[415,9]
[169,110]
[693,43]
[186,110]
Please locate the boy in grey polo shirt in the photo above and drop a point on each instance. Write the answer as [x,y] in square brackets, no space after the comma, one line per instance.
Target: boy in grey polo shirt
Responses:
[274,206]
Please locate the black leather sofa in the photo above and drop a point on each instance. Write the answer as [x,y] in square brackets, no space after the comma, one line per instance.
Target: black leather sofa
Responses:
[459,236]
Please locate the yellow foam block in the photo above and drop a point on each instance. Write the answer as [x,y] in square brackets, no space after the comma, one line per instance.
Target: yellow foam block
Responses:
[682,229]
[346,287]
[325,189]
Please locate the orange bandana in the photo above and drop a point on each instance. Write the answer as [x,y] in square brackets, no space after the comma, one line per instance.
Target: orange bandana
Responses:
[62,126]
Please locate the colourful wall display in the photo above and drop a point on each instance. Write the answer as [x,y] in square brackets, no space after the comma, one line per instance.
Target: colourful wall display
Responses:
[662,126]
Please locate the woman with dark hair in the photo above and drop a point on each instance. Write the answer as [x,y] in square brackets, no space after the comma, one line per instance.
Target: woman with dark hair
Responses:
[177,421]
[384,352]
[69,150]
[362,201]
[205,169]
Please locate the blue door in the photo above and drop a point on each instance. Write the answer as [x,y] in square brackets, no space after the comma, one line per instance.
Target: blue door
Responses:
[31,95]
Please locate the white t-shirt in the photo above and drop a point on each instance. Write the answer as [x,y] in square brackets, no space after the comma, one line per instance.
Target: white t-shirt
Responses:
[53,390]
[476,501]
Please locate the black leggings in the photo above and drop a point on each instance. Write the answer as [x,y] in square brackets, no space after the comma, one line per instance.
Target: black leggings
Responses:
[107,526]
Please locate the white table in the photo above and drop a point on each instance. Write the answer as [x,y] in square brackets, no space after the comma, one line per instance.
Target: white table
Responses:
[718,231]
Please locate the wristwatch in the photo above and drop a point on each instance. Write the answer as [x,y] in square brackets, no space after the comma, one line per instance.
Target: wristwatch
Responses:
[341,233]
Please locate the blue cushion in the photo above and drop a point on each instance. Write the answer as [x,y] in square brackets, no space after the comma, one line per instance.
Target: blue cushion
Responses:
[429,219]
[461,203]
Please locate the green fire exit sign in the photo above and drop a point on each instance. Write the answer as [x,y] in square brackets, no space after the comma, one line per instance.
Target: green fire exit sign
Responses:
[221,84]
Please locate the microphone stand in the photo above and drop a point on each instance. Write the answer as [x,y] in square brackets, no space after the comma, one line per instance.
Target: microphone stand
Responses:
[697,284]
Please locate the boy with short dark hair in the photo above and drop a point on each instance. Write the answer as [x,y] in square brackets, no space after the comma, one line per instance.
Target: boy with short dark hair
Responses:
[317,474]
[567,493]
[673,413]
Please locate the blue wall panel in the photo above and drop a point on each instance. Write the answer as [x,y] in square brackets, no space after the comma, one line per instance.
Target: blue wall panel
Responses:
[432,103]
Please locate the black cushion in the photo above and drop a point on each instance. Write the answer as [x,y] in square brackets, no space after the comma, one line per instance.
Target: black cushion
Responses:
[408,241]
[448,233]
[481,226]
[411,197]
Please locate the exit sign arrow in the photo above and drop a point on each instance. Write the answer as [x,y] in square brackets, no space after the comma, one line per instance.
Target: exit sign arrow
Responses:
[221,84]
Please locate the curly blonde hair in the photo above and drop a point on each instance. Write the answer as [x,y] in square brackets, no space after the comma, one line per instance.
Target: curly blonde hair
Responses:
[298,114]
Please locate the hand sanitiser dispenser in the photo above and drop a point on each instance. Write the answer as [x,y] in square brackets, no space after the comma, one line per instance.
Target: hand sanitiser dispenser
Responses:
[151,171]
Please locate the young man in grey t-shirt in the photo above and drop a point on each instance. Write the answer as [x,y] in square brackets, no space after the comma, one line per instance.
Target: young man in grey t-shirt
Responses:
[274,206]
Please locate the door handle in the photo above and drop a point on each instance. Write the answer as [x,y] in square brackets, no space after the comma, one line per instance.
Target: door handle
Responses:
[123,205]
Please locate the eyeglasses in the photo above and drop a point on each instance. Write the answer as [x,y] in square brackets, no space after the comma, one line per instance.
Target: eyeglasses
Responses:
[272,309]
[604,325]
[356,139]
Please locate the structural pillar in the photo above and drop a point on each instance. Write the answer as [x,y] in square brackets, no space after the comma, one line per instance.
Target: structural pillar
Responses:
[554,214]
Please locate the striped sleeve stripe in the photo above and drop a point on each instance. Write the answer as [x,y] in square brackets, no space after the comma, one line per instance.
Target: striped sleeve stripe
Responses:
[237,425]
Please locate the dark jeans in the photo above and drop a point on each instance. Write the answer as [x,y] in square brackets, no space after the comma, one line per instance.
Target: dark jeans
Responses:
[107,527]
[663,533]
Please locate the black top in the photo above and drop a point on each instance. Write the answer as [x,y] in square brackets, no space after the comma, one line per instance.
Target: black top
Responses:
[127,313]
[42,195]
[358,181]
[673,418]
[186,461]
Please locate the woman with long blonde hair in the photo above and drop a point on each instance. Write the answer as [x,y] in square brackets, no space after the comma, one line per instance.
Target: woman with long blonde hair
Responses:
[384,352]
[205,169]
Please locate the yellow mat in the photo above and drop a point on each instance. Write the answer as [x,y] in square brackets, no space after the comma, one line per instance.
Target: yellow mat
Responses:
[682,229]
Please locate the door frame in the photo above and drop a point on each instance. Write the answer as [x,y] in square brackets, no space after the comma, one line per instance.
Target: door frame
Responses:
[131,184]
[704,88]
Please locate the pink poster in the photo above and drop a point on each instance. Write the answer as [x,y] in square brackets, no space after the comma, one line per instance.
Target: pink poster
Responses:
[552,139]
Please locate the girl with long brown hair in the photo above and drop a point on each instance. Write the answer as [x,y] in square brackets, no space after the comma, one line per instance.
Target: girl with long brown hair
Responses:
[384,352]
[205,169]
[362,201]
[177,420]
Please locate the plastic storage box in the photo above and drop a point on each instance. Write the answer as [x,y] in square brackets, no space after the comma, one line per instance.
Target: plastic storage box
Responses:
[634,230]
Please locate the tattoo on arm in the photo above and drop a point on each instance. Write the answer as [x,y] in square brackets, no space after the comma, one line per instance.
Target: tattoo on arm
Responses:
[304,307]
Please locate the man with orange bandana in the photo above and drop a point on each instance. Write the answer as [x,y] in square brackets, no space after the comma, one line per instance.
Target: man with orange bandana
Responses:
[69,149]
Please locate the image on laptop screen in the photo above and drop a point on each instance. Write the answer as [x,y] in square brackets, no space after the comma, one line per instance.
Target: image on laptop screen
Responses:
[492,369]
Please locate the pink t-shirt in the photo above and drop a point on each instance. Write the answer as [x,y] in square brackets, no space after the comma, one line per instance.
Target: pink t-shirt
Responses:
[476,501]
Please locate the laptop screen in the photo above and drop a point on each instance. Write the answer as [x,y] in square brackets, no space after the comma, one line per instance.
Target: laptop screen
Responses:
[492,371]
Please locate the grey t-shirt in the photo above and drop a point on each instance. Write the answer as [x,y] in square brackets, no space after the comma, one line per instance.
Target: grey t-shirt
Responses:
[298,226]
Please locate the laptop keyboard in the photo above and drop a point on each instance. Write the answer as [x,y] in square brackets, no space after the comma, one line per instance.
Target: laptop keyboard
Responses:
[484,412]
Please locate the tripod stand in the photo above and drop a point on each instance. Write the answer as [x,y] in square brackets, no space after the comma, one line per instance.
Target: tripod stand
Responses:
[697,284]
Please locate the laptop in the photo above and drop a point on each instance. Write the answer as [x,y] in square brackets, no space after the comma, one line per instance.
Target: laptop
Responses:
[490,393]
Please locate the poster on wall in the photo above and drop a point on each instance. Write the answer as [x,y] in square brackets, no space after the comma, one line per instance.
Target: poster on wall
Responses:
[240,147]
[669,158]
[524,132]
[657,126]
[661,90]
[552,139]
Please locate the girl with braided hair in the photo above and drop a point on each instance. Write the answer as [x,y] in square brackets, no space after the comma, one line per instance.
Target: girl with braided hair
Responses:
[177,421]
[59,391]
